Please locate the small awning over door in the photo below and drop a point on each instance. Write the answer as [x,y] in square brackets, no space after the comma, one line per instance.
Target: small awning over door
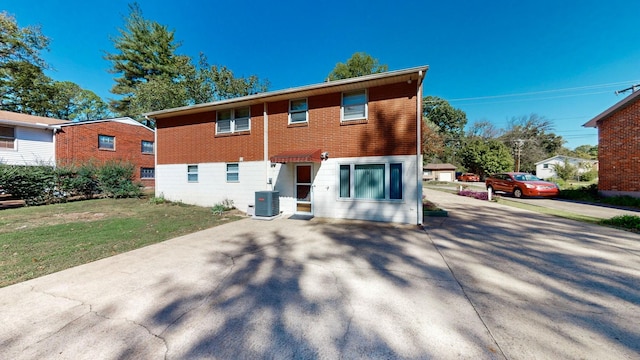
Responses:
[294,156]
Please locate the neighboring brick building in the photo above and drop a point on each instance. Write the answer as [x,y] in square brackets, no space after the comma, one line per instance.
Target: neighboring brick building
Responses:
[343,149]
[619,147]
[99,141]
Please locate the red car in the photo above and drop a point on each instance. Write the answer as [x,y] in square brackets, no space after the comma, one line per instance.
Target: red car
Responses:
[469,177]
[521,184]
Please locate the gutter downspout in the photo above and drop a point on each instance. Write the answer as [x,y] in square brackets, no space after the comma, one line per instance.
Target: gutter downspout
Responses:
[155,158]
[419,145]
[265,149]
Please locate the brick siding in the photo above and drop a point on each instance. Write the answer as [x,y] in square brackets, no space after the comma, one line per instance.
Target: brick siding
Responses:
[78,144]
[619,150]
[389,130]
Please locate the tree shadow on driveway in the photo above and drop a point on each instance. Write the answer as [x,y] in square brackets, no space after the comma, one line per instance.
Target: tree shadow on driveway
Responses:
[546,287]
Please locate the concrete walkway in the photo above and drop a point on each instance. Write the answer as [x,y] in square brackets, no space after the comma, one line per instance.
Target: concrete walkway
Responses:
[488,282]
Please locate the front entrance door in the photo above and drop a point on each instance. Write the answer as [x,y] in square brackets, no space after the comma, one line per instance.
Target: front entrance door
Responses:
[304,204]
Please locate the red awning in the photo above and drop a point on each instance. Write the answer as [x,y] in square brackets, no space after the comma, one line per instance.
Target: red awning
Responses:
[294,156]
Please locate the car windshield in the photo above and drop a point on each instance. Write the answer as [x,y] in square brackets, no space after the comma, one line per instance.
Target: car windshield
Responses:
[525,177]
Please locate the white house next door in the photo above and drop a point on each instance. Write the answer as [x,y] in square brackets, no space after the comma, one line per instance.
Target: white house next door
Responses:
[304,204]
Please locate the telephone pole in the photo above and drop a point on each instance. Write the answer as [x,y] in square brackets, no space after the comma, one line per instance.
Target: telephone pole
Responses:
[518,149]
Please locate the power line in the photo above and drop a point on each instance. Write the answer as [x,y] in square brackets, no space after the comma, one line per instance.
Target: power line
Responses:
[586,87]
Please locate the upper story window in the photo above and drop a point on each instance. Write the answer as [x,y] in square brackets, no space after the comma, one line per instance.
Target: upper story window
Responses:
[147,147]
[7,137]
[354,105]
[298,111]
[233,120]
[192,173]
[106,142]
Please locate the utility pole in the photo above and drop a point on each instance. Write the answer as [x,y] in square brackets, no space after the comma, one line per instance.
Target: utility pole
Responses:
[633,89]
[518,144]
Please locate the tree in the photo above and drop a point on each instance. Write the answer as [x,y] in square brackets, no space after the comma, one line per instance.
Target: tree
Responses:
[533,138]
[483,130]
[432,142]
[359,64]
[586,151]
[23,85]
[485,157]
[448,121]
[145,49]
[70,101]
[566,170]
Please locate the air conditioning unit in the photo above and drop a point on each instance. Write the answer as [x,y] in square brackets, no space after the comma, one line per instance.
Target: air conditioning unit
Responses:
[267,203]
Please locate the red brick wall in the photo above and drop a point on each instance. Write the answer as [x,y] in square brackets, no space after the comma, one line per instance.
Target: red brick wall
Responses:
[78,144]
[389,130]
[192,139]
[619,150]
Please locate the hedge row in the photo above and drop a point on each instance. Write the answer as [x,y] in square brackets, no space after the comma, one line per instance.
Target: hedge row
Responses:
[38,185]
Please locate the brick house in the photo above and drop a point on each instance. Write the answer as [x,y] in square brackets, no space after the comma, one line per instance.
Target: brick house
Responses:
[27,139]
[110,139]
[619,147]
[341,149]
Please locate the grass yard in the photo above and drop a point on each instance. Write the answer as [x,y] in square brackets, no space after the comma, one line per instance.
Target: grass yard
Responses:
[35,241]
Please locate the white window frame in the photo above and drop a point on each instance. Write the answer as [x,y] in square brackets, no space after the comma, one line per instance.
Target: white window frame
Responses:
[237,172]
[232,121]
[113,148]
[305,111]
[9,139]
[387,182]
[365,103]
[192,173]
[147,142]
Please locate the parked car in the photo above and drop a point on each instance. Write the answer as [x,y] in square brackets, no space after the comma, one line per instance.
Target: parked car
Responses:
[521,184]
[468,177]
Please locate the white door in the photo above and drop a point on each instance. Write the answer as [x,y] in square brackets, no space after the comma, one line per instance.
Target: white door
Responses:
[304,203]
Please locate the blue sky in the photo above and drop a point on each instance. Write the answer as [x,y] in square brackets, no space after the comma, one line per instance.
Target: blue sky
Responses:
[493,59]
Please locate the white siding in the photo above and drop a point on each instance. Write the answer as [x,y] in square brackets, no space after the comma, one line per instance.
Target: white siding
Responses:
[32,147]
[212,188]
[325,192]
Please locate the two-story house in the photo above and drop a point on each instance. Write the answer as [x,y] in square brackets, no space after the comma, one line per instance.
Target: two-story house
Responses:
[341,149]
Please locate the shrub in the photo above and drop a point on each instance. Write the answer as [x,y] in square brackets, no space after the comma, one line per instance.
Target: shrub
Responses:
[480,195]
[33,184]
[630,222]
[115,180]
[78,181]
[589,175]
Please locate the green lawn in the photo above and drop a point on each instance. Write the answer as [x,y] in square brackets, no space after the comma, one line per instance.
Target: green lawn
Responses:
[36,241]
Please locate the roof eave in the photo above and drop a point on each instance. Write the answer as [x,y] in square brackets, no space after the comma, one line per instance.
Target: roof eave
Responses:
[29,125]
[415,73]
[610,111]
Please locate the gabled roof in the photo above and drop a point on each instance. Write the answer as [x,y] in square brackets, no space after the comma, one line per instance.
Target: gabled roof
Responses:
[610,111]
[439,167]
[17,119]
[356,83]
[565,157]
[123,120]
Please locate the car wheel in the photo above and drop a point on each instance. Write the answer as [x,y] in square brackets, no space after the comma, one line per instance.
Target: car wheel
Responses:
[517,193]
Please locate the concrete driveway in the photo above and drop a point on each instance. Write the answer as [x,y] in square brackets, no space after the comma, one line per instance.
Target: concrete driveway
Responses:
[546,287]
[282,289]
[476,285]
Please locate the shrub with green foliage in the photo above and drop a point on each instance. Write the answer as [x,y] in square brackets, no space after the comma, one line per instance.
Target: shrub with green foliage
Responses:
[33,184]
[630,222]
[38,185]
[115,179]
[590,175]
